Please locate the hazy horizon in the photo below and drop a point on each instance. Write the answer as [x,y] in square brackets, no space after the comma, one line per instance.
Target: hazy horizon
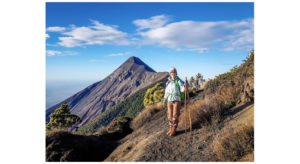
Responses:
[57,90]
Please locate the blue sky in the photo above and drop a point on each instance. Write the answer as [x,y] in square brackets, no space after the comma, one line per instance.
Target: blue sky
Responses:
[88,41]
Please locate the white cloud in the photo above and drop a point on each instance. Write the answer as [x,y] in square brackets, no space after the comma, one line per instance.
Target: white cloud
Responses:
[241,39]
[70,53]
[153,22]
[56,29]
[194,36]
[53,52]
[202,36]
[61,53]
[98,34]
[198,50]
[119,54]
[47,36]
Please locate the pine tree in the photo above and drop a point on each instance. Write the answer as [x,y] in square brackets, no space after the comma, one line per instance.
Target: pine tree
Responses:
[154,95]
[62,118]
[197,81]
[199,78]
[192,80]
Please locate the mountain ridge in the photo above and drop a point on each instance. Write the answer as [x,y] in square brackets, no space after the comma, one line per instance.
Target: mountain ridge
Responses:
[129,77]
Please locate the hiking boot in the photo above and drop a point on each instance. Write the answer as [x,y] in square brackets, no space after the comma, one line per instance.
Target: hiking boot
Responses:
[173,131]
[169,131]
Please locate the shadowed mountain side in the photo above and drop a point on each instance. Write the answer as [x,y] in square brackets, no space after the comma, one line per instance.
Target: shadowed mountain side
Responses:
[129,107]
[131,76]
[64,146]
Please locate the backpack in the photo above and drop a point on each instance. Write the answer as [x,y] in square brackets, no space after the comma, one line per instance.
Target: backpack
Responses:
[181,93]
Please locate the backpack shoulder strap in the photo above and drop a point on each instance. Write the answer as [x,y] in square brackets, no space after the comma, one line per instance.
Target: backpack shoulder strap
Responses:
[176,83]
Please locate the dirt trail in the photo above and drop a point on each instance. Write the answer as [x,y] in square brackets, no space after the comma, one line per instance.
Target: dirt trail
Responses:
[150,142]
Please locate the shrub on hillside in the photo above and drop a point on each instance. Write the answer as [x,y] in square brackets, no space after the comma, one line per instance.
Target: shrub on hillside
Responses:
[54,131]
[154,95]
[194,90]
[101,131]
[146,115]
[204,85]
[213,105]
[200,112]
[119,127]
[234,146]
[116,129]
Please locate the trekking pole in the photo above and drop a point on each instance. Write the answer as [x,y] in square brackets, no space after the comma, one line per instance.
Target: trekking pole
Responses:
[185,98]
[188,97]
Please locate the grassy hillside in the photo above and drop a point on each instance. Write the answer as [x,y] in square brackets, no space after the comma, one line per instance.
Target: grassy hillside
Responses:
[223,92]
[234,76]
[130,107]
[235,141]
[223,125]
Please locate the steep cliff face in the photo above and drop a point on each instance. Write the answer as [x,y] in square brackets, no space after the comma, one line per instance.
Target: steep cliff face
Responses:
[131,76]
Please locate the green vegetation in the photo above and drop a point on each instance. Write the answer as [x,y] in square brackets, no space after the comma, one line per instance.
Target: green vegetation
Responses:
[196,82]
[129,107]
[154,95]
[62,118]
[193,90]
[235,75]
[224,92]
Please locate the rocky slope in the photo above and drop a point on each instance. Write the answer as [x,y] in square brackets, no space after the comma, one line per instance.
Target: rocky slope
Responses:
[130,77]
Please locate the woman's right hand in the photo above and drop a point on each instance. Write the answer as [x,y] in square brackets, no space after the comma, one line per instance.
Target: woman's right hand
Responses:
[165,103]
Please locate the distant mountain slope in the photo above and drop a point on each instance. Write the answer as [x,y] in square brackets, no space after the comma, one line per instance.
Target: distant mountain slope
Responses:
[131,76]
[130,107]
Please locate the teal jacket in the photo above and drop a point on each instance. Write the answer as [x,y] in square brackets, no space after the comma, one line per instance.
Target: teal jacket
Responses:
[172,92]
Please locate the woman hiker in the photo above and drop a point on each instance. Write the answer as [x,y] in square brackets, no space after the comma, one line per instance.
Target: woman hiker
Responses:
[172,99]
